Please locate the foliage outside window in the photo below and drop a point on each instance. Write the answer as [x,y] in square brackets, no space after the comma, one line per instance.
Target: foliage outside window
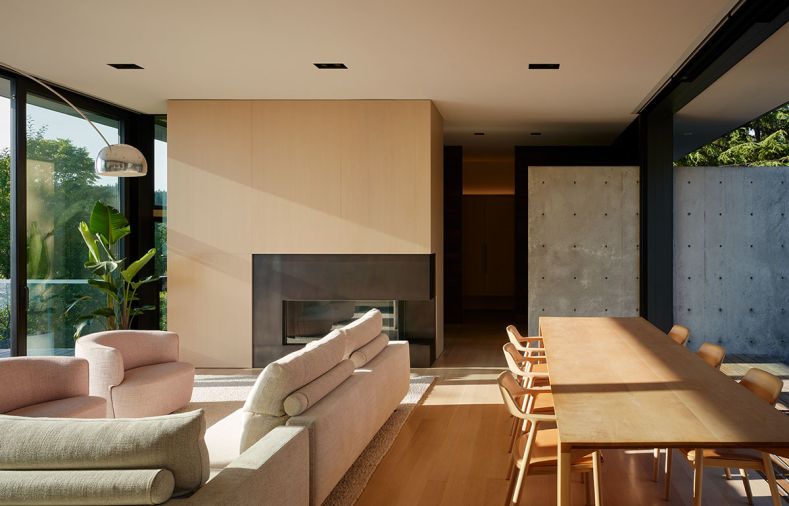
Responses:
[764,142]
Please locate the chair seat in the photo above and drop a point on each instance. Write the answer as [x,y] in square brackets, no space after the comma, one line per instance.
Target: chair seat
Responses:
[543,402]
[70,407]
[545,448]
[153,390]
[711,454]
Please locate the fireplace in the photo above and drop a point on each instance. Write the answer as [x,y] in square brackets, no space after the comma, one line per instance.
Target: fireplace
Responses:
[307,320]
[297,298]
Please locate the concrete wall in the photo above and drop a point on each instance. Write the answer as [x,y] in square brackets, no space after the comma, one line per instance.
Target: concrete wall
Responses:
[583,242]
[731,257]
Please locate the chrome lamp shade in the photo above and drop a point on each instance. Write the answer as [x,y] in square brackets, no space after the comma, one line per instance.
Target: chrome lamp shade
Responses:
[121,160]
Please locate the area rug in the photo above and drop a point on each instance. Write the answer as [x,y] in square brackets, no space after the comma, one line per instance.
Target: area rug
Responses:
[352,484]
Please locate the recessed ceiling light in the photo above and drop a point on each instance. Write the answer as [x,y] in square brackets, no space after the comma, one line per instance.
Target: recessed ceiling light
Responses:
[543,66]
[331,66]
[125,66]
[536,133]
[479,133]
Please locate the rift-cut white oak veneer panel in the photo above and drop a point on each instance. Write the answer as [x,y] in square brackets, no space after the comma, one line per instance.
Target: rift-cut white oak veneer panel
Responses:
[341,176]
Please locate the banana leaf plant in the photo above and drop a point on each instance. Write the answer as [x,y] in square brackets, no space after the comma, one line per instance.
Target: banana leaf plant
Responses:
[116,286]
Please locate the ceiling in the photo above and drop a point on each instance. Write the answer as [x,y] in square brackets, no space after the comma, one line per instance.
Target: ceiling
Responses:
[470,57]
[755,85]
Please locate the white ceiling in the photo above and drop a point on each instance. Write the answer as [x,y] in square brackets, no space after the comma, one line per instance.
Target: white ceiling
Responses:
[469,56]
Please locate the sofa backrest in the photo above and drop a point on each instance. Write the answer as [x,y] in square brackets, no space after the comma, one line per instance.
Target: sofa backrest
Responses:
[362,331]
[32,380]
[138,348]
[172,442]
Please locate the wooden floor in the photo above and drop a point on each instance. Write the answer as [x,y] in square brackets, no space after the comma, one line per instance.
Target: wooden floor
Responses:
[453,448]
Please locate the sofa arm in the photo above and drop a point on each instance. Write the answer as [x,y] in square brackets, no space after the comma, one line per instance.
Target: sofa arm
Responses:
[105,364]
[274,471]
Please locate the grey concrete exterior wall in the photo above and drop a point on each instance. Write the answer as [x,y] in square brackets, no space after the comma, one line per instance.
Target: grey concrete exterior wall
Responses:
[583,242]
[731,257]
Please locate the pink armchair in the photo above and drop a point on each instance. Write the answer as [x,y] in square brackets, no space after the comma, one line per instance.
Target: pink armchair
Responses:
[137,371]
[48,387]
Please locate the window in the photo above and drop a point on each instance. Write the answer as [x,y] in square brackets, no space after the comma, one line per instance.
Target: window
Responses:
[5,217]
[160,213]
[62,188]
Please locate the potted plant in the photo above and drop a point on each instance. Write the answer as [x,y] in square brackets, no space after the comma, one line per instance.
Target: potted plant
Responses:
[116,286]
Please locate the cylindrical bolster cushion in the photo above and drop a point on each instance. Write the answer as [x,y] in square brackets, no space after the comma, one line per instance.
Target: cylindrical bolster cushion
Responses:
[370,350]
[88,487]
[173,442]
[300,400]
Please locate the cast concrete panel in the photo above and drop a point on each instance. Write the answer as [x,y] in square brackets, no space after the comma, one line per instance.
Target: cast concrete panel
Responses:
[583,242]
[731,257]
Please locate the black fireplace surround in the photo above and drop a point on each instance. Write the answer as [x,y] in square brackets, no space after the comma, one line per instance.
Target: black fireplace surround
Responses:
[407,279]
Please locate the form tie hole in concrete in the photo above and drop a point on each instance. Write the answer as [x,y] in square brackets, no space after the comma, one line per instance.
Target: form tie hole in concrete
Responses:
[750,310]
[688,310]
[751,214]
[688,182]
[606,277]
[688,214]
[720,245]
[751,277]
[720,309]
[688,277]
[573,214]
[720,214]
[751,245]
[720,277]
[688,245]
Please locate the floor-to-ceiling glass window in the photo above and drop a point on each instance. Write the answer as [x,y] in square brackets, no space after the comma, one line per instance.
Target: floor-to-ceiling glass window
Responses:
[62,188]
[5,217]
[160,213]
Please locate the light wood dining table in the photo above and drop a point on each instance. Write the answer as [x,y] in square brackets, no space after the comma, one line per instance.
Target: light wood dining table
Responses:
[623,383]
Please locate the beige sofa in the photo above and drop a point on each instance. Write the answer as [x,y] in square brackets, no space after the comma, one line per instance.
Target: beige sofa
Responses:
[137,372]
[341,388]
[54,461]
[48,386]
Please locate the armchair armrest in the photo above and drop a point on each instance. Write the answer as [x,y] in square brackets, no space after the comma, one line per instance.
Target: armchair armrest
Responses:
[105,364]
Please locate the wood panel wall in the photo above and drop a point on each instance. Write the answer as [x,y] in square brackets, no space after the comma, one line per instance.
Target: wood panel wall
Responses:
[269,176]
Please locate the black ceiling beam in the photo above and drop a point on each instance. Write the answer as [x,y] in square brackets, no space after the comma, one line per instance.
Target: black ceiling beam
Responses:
[746,27]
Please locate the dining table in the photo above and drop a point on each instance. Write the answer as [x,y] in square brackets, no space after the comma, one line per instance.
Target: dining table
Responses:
[623,383]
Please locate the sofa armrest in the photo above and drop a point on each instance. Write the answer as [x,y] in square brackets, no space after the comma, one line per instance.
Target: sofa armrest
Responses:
[274,471]
[105,365]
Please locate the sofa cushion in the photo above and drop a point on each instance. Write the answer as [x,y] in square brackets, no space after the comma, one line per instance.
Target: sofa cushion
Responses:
[362,331]
[73,407]
[370,350]
[153,390]
[88,487]
[300,400]
[290,373]
[173,442]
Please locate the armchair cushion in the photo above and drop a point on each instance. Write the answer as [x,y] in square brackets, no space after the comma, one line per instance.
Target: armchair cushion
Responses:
[172,442]
[152,390]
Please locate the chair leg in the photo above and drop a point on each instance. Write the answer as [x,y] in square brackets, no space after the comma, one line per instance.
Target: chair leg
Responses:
[655,463]
[727,472]
[770,473]
[698,476]
[598,498]
[747,484]
[667,484]
[587,492]
[511,486]
[518,490]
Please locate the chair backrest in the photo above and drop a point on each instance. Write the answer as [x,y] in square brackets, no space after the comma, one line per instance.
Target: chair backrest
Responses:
[764,385]
[679,334]
[712,354]
[32,380]
[515,361]
[509,388]
[136,347]
[514,334]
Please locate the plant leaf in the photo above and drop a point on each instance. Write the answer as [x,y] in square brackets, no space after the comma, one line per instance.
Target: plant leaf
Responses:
[132,270]
[77,301]
[103,311]
[105,286]
[90,242]
[79,328]
[109,223]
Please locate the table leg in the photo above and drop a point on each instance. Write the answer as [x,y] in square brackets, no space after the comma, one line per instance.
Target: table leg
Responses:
[563,476]
[698,474]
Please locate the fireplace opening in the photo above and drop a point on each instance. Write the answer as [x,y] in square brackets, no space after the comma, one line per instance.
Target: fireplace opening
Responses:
[307,320]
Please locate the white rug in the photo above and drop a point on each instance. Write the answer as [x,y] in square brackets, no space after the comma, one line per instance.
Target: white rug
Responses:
[220,395]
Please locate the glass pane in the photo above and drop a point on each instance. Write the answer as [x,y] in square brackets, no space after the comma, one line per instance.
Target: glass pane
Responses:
[160,209]
[5,218]
[62,188]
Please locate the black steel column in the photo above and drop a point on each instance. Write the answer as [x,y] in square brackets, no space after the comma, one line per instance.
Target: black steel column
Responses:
[453,234]
[19,294]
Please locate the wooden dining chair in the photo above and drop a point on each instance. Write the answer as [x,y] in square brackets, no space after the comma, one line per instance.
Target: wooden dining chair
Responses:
[536,394]
[767,387]
[712,354]
[537,451]
[522,343]
[679,334]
